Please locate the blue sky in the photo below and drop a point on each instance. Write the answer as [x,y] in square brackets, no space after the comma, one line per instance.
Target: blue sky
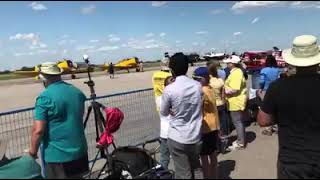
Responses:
[35,32]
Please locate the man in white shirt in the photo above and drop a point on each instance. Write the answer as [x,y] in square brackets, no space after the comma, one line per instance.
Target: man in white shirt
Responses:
[183,101]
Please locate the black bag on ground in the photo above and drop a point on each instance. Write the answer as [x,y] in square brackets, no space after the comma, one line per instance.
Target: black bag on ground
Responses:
[136,163]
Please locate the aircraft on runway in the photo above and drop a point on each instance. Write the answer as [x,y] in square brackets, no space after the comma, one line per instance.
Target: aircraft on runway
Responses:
[68,67]
[125,64]
[214,56]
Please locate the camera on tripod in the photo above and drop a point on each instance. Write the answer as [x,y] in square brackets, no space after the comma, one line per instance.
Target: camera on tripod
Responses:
[90,83]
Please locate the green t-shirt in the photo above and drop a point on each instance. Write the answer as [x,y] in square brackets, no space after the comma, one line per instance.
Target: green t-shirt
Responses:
[62,106]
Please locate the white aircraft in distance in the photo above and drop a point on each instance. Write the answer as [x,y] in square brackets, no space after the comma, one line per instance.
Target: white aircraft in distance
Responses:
[214,56]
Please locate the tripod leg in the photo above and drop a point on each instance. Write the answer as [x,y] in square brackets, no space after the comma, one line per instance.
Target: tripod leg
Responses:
[99,122]
[87,116]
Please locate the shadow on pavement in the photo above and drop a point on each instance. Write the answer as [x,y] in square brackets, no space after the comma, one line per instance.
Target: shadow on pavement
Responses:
[250,137]
[225,168]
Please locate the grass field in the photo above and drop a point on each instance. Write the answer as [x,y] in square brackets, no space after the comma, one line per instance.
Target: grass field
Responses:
[10,76]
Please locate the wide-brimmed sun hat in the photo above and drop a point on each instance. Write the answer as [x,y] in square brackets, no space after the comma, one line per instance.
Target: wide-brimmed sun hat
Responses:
[304,52]
[233,59]
[3,148]
[50,68]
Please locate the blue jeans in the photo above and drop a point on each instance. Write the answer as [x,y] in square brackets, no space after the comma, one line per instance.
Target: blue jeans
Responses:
[164,153]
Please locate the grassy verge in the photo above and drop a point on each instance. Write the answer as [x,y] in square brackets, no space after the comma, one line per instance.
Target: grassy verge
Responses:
[10,76]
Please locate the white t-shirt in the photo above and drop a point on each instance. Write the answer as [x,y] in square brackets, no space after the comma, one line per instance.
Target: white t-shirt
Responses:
[164,121]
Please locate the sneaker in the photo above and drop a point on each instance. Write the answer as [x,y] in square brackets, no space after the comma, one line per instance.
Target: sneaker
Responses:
[235,146]
[267,132]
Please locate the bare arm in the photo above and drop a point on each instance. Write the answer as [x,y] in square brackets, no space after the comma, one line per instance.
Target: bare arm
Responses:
[265,119]
[38,130]
[223,94]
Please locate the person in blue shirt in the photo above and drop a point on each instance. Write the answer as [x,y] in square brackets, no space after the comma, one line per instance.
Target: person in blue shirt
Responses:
[267,75]
[58,125]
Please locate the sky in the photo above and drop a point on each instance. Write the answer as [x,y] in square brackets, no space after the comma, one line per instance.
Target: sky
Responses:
[36,32]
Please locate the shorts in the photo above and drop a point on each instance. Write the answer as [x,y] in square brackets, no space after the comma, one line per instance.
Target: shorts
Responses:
[209,143]
[70,170]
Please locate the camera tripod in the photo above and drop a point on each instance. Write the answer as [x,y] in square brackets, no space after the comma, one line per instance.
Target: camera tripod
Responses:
[98,119]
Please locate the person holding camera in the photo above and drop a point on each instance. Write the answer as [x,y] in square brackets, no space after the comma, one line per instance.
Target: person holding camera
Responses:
[58,124]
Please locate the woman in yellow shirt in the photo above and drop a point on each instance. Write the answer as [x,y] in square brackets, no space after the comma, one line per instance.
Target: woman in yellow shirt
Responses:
[236,96]
[210,125]
[217,83]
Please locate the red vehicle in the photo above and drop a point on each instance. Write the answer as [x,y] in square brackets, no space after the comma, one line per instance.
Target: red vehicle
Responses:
[256,60]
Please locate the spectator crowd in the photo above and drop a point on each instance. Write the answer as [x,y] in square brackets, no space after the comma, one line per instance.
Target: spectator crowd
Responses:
[196,112]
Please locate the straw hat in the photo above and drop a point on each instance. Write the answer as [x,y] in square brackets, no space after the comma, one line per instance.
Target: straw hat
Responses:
[3,148]
[50,68]
[304,52]
[233,59]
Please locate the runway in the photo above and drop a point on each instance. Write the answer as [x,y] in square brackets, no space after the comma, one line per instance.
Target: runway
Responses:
[22,93]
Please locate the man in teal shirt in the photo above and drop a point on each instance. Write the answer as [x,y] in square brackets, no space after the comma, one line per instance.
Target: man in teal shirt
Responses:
[59,126]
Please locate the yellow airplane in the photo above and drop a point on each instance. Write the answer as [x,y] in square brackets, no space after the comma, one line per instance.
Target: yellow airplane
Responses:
[124,64]
[68,67]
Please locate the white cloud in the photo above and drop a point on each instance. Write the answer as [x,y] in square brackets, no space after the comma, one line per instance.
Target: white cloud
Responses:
[177,41]
[93,41]
[124,45]
[82,48]
[149,35]
[151,46]
[20,54]
[305,4]
[158,3]
[108,48]
[114,39]
[216,11]
[24,54]
[202,32]
[244,5]
[38,6]
[162,34]
[237,33]
[35,39]
[38,46]
[255,20]
[65,51]
[89,9]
